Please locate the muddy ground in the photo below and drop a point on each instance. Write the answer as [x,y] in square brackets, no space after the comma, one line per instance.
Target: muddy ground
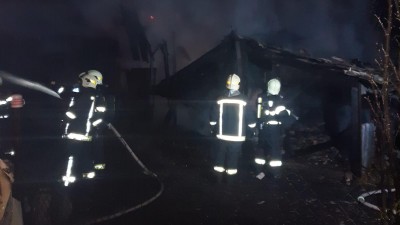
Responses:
[310,190]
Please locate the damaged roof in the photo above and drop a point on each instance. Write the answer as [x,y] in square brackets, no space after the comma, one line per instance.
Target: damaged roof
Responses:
[205,72]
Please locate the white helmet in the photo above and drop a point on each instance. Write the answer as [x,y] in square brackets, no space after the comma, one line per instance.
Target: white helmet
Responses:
[274,86]
[88,80]
[97,75]
[232,83]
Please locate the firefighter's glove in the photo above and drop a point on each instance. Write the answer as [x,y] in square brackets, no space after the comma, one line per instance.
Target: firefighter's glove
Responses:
[253,131]
[256,132]
[213,127]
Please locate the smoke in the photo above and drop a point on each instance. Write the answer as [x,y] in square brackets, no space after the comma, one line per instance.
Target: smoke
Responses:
[324,28]
[50,37]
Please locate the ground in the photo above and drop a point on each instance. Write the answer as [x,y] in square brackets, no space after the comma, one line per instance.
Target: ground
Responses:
[310,191]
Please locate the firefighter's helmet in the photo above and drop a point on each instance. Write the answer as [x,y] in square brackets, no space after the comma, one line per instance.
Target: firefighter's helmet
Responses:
[233,82]
[97,75]
[274,86]
[88,80]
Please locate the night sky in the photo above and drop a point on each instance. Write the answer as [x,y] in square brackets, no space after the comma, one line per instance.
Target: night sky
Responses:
[43,39]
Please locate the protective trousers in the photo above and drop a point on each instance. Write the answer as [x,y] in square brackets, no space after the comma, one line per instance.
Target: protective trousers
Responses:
[269,144]
[227,154]
[82,151]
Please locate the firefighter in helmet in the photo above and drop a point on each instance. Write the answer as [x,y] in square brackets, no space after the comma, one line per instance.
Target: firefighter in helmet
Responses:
[83,120]
[271,114]
[228,120]
[4,123]
[10,123]
[4,107]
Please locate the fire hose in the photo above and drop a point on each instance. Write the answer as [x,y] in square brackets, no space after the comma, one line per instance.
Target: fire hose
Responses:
[145,170]
[362,197]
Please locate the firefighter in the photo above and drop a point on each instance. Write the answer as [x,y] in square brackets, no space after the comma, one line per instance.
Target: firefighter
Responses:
[4,115]
[10,208]
[4,107]
[102,104]
[271,114]
[9,123]
[84,119]
[228,120]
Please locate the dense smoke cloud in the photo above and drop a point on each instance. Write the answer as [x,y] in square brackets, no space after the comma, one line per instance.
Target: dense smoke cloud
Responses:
[324,28]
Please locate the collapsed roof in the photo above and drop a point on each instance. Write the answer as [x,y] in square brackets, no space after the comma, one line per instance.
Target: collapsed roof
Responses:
[212,68]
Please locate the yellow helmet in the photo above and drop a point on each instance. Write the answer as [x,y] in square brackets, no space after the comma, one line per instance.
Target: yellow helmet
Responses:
[232,83]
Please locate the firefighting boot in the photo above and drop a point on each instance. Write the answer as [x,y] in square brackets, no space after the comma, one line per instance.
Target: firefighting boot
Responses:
[230,179]
[216,175]
[216,178]
[276,172]
[220,178]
